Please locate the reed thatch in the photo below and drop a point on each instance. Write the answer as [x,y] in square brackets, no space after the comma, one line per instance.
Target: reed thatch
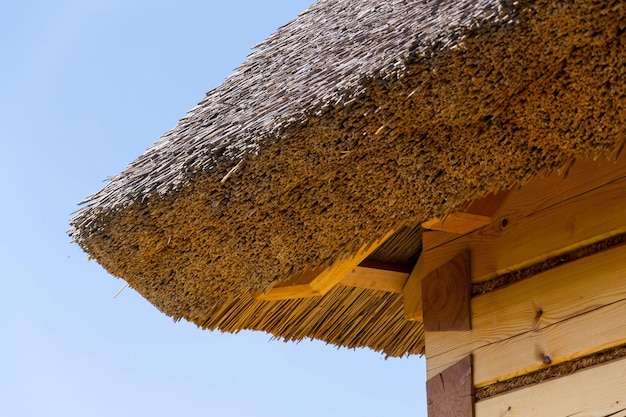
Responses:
[356,118]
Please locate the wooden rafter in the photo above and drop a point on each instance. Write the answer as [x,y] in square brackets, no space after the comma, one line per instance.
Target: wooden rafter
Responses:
[377,276]
[319,282]
[519,238]
[478,214]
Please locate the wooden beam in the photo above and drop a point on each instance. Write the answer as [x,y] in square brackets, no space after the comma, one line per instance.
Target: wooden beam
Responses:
[519,239]
[450,393]
[479,213]
[458,223]
[564,313]
[542,193]
[446,296]
[412,293]
[318,282]
[597,391]
[579,336]
[377,276]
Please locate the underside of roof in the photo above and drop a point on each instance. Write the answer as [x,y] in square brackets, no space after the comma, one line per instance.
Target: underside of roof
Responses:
[357,119]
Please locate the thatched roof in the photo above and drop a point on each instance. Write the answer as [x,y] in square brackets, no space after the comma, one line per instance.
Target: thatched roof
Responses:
[353,120]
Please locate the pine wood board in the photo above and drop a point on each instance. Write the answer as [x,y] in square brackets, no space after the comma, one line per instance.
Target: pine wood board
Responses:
[541,193]
[318,282]
[564,313]
[378,278]
[446,296]
[458,222]
[518,240]
[589,333]
[412,293]
[478,214]
[450,393]
[593,392]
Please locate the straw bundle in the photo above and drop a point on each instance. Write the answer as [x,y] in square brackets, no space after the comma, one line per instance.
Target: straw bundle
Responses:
[352,120]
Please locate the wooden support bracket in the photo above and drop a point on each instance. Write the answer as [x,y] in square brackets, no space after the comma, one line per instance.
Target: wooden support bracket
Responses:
[450,393]
[446,296]
[377,276]
[318,282]
[412,292]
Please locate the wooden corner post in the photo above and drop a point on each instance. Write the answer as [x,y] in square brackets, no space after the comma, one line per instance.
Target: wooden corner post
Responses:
[446,307]
[446,296]
[451,393]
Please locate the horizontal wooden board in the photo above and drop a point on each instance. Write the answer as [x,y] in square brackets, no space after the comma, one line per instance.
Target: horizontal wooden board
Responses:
[446,296]
[541,193]
[458,223]
[376,277]
[565,312]
[450,393]
[478,214]
[517,240]
[594,392]
[580,336]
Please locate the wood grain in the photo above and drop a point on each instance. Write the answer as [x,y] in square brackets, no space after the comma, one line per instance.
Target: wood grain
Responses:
[450,393]
[318,282]
[541,193]
[479,213]
[380,277]
[412,293]
[518,240]
[593,392]
[458,223]
[446,296]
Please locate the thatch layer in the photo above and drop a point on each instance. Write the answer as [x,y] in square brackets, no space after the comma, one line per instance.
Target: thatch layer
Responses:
[348,317]
[352,120]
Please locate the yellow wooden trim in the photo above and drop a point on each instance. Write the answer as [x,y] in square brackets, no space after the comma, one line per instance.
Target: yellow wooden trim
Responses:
[413,293]
[376,278]
[517,240]
[478,214]
[319,282]
[458,222]
[563,313]
[597,391]
[541,193]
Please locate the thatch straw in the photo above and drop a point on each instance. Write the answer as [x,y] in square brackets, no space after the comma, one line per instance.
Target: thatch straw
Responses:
[355,118]
[347,317]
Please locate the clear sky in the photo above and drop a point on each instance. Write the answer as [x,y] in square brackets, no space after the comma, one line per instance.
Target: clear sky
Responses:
[85,87]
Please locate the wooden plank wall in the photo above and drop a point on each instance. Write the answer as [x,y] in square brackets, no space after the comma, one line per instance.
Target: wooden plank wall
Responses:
[558,315]
[561,314]
[593,392]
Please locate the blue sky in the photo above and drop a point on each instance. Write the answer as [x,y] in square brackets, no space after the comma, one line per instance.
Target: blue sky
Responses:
[85,87]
